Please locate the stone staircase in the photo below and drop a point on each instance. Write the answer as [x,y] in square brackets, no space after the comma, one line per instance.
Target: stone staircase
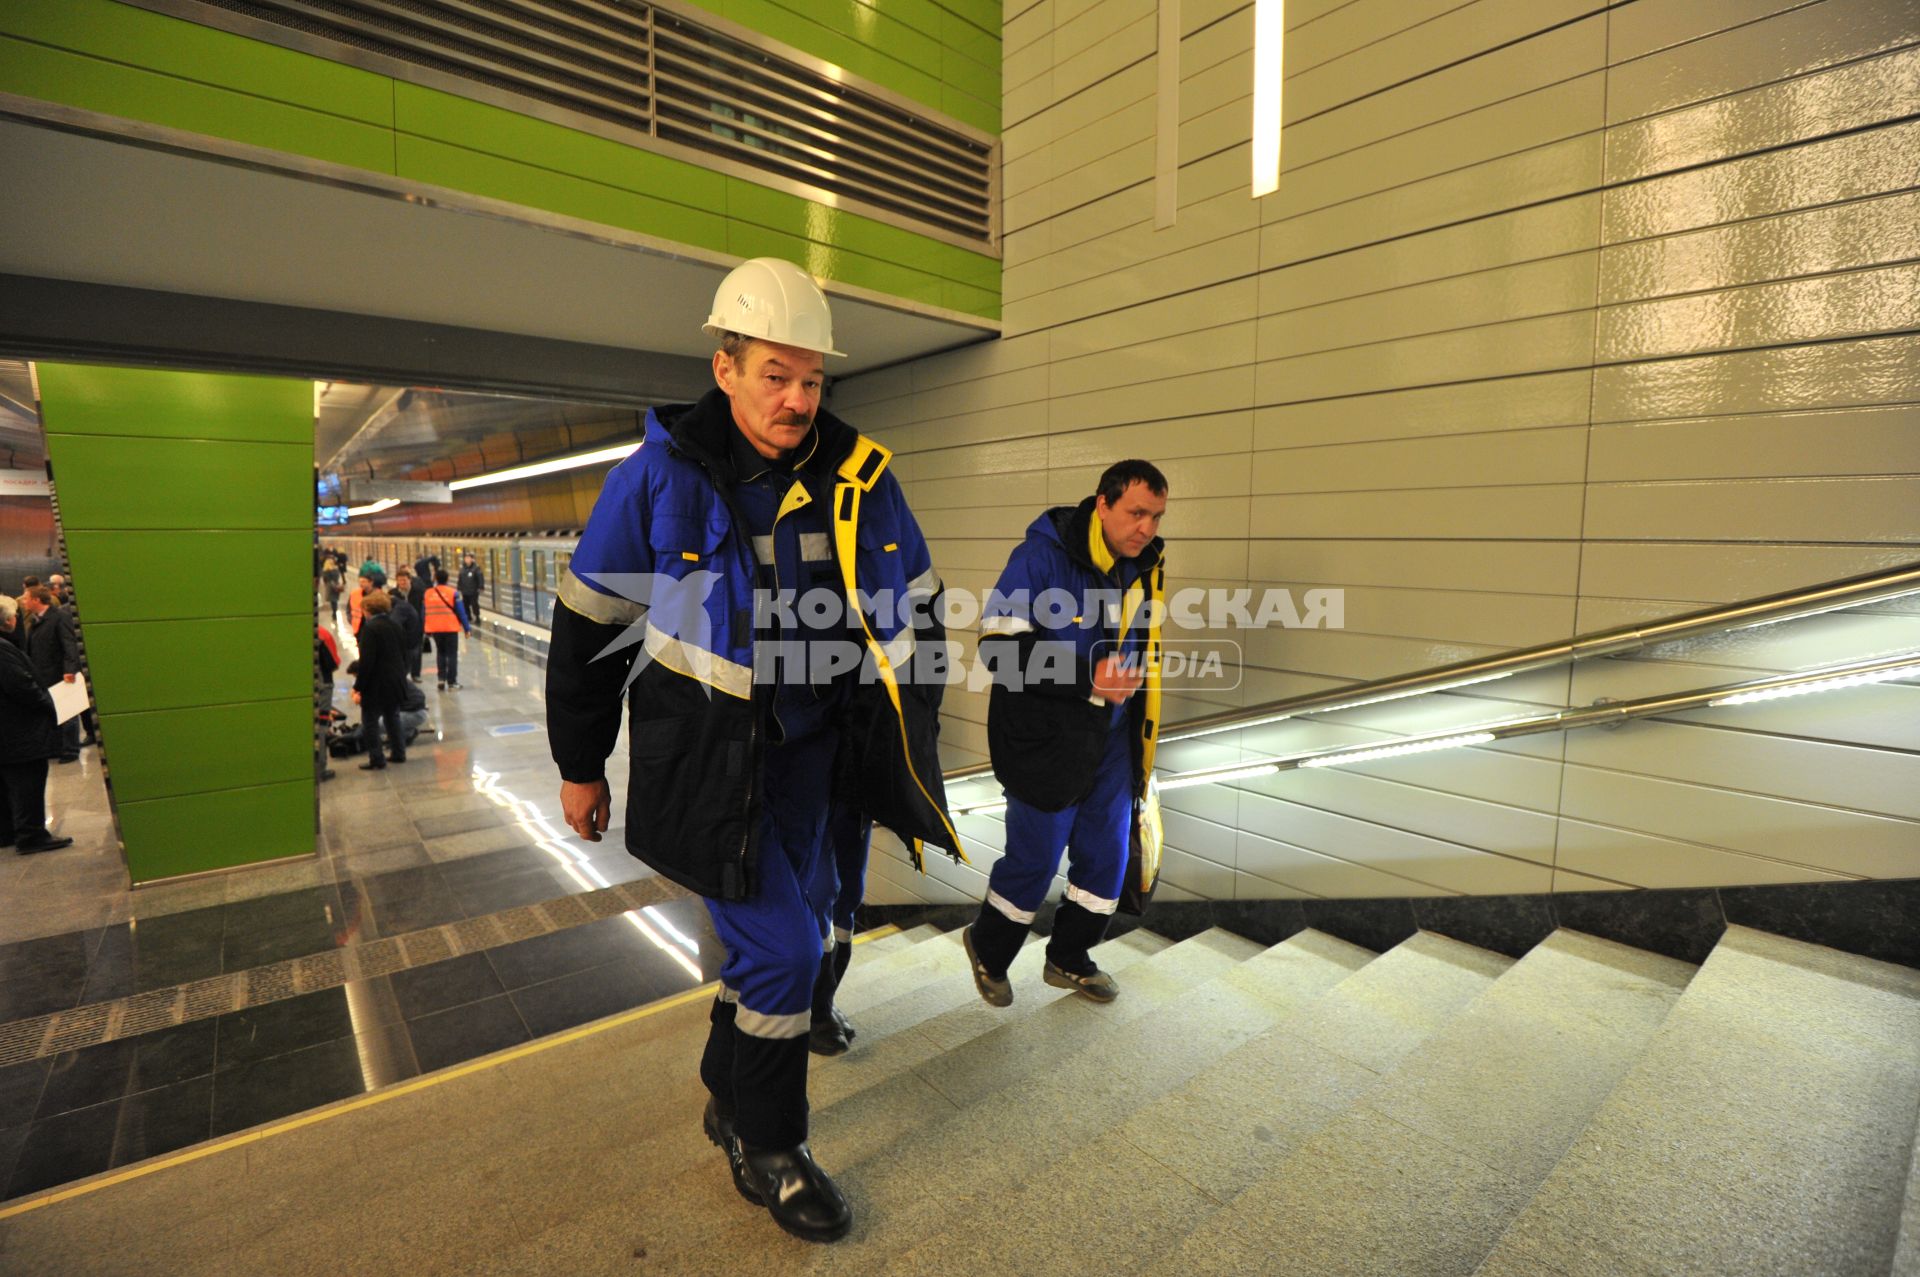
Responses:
[1313,1108]
[1437,1110]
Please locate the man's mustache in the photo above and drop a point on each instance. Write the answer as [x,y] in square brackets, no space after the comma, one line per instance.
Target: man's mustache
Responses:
[792,419]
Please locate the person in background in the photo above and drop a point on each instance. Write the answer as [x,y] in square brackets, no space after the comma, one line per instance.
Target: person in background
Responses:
[407,615]
[28,737]
[413,712]
[62,589]
[25,622]
[472,581]
[446,620]
[381,686]
[53,649]
[357,601]
[333,583]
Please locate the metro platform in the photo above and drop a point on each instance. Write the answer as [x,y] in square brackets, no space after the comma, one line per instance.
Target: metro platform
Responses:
[448,914]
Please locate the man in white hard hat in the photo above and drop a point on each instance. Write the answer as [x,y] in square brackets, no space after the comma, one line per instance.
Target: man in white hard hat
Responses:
[736,720]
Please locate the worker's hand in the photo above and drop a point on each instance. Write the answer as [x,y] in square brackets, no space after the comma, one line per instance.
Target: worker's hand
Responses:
[356,698]
[1114,680]
[587,808]
[66,678]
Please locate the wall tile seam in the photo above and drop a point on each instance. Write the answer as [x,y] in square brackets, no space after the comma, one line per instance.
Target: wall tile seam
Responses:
[290,698]
[1708,35]
[64,433]
[1342,862]
[1714,848]
[1464,60]
[1732,791]
[301,780]
[1767,281]
[1827,68]
[1496,432]
[1007,90]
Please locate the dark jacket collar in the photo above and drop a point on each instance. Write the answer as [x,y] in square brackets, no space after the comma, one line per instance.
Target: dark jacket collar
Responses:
[705,431]
[1071,524]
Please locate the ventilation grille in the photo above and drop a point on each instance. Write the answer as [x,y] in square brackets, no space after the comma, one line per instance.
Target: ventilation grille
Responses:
[655,72]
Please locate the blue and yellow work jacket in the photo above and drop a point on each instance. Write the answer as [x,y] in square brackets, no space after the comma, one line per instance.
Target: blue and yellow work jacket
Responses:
[659,602]
[1062,605]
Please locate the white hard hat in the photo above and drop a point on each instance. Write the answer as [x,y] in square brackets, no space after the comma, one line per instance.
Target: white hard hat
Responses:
[774,300]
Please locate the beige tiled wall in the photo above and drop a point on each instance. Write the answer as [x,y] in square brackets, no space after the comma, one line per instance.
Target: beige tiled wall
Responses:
[1564,316]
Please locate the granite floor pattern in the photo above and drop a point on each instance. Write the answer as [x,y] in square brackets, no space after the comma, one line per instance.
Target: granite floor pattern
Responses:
[1441,1111]
[467,827]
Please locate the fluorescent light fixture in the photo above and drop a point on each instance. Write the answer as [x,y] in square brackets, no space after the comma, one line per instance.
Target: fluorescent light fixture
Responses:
[1831,683]
[1269,28]
[600,456]
[1191,779]
[375,508]
[1344,757]
[1225,727]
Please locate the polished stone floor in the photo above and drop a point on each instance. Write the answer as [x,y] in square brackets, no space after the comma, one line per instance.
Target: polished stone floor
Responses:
[467,827]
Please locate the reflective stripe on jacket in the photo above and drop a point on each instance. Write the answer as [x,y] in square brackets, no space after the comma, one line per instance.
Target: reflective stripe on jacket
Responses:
[666,567]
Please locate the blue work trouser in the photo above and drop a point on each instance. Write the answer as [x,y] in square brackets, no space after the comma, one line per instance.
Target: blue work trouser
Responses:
[849,835]
[1094,832]
[773,939]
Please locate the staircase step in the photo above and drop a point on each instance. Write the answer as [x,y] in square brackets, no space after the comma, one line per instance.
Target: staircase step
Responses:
[1767,1128]
[907,1156]
[1236,1121]
[1071,1160]
[1428,1168]
[945,1012]
[871,966]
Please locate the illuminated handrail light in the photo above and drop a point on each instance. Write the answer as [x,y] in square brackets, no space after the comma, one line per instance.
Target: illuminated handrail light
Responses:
[1828,683]
[1346,756]
[374,507]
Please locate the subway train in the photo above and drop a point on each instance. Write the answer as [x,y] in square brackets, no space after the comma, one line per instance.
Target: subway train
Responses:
[522,571]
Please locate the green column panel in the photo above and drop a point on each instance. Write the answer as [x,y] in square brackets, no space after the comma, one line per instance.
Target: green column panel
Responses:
[197,832]
[169,753]
[186,502]
[147,665]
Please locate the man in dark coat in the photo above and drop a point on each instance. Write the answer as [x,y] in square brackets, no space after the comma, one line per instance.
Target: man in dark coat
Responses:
[408,611]
[382,683]
[54,651]
[28,737]
[472,582]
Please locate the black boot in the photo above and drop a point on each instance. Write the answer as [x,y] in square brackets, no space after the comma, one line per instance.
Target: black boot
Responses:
[1069,964]
[798,1194]
[991,943]
[770,1083]
[830,1034]
[719,1129]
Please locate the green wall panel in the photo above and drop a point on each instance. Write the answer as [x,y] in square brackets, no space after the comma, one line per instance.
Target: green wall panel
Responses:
[118,482]
[489,175]
[171,752]
[36,71]
[835,228]
[150,665]
[189,51]
[479,126]
[201,832]
[109,57]
[161,576]
[88,399]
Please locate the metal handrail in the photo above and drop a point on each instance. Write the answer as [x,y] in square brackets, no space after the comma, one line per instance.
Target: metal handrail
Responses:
[1612,714]
[1853,591]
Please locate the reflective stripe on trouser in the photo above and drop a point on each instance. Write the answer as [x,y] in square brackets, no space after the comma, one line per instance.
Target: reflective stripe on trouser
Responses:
[773,946]
[1093,831]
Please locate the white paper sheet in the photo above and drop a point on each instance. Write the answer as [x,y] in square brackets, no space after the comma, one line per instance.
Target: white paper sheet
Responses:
[69,698]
